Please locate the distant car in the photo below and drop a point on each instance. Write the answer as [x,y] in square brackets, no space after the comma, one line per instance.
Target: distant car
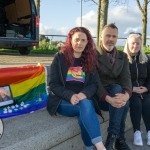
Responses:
[19,25]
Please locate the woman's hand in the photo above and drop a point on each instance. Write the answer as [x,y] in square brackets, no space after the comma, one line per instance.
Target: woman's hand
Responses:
[81,96]
[143,89]
[74,99]
[140,89]
[77,97]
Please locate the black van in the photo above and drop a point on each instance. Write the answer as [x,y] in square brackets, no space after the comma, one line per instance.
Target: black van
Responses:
[19,25]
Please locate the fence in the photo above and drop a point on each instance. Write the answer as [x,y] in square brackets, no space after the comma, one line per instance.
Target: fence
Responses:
[120,42]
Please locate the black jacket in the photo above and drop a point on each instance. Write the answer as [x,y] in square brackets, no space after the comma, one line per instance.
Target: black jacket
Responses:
[140,73]
[58,72]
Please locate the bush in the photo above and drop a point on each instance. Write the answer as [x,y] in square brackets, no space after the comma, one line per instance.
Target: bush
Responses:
[46,47]
[146,49]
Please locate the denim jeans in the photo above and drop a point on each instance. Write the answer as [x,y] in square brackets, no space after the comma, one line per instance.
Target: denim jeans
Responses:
[87,119]
[117,116]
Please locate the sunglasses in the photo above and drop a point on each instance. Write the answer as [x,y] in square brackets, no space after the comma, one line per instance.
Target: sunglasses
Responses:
[135,33]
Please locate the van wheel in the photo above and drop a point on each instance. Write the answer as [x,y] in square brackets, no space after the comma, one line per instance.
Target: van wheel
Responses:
[24,50]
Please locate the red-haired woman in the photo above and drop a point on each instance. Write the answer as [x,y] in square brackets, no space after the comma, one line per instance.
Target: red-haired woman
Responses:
[74,82]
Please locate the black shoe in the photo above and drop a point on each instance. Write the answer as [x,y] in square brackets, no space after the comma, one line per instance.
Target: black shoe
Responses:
[110,141]
[121,144]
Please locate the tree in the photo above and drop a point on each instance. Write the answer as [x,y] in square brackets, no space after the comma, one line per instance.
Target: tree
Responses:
[143,10]
[103,14]
[102,17]
[42,37]
[37,3]
[98,22]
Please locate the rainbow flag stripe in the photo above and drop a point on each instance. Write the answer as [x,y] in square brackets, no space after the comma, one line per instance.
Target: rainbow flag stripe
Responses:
[28,87]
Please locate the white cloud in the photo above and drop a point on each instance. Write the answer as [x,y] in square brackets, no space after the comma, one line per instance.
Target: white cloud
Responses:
[135,29]
[46,30]
[52,31]
[126,19]
[89,21]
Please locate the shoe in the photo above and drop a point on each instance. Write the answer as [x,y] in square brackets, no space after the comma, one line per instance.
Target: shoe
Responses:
[138,138]
[148,138]
[121,144]
[110,141]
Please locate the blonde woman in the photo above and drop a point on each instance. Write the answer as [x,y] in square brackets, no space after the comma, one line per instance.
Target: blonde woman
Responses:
[140,76]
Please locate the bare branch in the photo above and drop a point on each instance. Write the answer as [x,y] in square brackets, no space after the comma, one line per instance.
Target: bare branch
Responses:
[92,1]
[139,5]
[118,2]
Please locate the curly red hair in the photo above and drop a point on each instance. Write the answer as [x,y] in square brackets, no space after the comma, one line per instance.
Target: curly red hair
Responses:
[89,55]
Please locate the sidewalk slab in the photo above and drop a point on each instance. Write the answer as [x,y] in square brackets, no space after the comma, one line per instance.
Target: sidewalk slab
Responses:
[129,139]
[40,131]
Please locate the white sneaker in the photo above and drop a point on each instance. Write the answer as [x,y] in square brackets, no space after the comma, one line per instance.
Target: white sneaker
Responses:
[138,138]
[148,138]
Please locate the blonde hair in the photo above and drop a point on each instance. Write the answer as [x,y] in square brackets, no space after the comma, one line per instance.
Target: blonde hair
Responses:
[142,57]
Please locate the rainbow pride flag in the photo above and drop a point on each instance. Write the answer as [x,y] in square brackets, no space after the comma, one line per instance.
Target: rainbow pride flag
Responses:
[28,89]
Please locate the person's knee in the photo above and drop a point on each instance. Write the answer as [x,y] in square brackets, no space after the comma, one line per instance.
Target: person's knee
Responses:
[86,104]
[146,102]
[135,102]
[115,88]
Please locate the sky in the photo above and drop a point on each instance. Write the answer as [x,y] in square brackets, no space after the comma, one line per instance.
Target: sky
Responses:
[57,17]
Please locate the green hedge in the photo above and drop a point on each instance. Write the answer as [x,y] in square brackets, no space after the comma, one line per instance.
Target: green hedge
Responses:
[51,48]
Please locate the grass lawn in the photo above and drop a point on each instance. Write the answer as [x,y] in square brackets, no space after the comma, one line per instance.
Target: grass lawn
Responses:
[33,51]
[53,51]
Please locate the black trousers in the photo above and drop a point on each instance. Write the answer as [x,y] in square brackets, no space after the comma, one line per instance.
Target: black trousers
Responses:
[140,108]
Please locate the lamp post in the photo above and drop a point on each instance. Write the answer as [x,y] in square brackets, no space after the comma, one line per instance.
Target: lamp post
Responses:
[81,11]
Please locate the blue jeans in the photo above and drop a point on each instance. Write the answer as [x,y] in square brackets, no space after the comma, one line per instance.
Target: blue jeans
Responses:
[117,116]
[87,119]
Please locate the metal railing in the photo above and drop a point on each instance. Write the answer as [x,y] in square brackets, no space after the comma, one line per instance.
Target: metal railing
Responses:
[54,37]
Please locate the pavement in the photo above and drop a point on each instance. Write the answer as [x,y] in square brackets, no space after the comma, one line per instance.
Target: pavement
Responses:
[15,60]
[11,60]
[129,139]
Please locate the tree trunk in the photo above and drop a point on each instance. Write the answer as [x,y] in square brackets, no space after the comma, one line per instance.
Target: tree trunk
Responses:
[144,19]
[144,23]
[98,22]
[103,18]
[104,13]
[37,3]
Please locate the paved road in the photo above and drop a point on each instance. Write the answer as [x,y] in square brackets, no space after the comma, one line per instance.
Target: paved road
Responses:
[9,60]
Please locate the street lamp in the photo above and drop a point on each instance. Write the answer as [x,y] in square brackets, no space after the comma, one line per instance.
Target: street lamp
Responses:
[81,11]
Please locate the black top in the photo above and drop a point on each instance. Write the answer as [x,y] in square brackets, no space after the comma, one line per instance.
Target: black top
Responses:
[140,73]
